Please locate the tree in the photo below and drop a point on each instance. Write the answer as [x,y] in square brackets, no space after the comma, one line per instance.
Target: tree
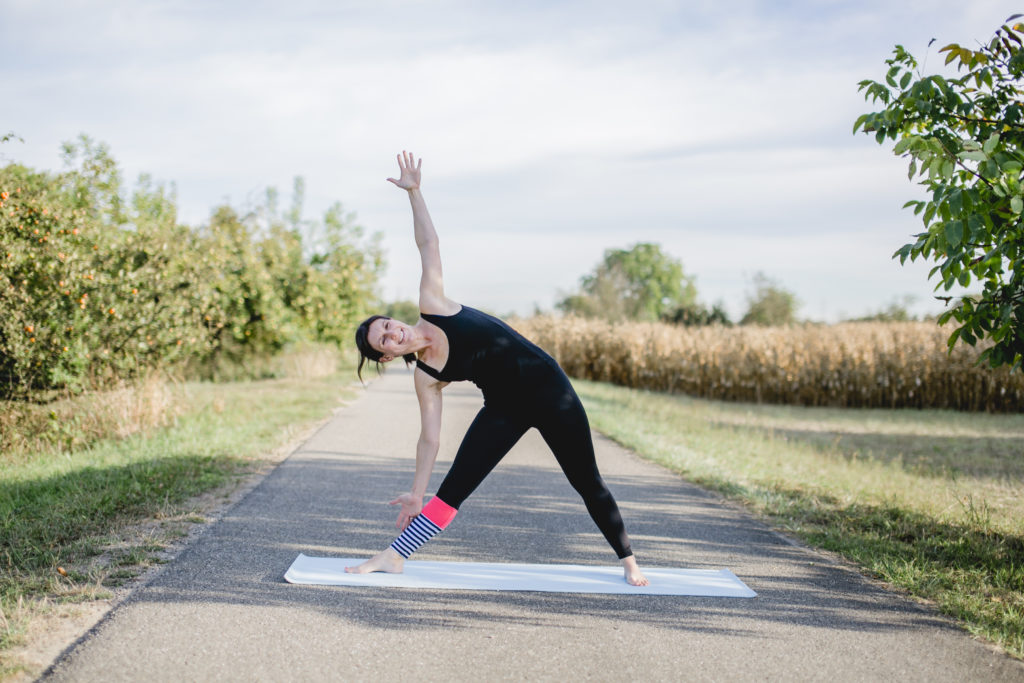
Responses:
[405,310]
[896,312]
[770,304]
[639,283]
[964,137]
[697,315]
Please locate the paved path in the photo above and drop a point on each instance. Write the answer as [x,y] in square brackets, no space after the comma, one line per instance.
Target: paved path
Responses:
[221,611]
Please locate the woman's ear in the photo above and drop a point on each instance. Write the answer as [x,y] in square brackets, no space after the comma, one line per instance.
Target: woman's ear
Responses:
[386,358]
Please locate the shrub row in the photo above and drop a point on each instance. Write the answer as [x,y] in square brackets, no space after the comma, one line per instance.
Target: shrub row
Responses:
[883,365]
[96,288]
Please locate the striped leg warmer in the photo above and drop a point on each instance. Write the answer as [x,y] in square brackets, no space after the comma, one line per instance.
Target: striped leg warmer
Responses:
[436,515]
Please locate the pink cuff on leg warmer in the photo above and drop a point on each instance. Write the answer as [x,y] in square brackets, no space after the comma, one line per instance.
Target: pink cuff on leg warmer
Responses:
[439,512]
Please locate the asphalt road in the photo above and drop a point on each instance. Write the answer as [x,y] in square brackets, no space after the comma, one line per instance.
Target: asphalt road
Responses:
[222,611]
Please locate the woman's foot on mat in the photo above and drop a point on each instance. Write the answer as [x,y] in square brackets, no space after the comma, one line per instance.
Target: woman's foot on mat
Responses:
[634,577]
[388,561]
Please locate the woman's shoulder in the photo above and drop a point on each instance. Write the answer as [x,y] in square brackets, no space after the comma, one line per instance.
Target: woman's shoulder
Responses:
[443,308]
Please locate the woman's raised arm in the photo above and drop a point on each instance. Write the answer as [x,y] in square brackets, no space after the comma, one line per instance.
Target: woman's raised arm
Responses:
[432,298]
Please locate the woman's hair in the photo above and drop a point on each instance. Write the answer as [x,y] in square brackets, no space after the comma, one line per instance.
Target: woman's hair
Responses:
[367,352]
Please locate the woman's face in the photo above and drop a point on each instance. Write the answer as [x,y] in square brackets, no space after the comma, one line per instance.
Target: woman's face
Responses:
[391,337]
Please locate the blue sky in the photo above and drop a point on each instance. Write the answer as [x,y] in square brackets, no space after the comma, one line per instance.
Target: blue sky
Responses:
[551,131]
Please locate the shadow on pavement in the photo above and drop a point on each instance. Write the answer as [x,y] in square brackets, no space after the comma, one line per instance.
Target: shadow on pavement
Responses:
[333,507]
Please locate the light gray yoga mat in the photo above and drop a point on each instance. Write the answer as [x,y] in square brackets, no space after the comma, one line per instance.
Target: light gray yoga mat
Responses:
[551,578]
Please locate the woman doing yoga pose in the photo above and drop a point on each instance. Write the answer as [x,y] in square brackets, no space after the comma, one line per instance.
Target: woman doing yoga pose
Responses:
[523,387]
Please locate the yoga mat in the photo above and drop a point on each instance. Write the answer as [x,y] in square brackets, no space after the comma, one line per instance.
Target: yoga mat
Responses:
[551,578]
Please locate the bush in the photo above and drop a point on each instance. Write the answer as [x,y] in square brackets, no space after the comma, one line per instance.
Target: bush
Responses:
[96,289]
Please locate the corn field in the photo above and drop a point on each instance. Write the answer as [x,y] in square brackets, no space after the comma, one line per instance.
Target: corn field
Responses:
[864,365]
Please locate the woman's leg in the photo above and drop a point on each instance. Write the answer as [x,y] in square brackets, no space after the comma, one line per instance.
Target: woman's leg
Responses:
[492,435]
[567,432]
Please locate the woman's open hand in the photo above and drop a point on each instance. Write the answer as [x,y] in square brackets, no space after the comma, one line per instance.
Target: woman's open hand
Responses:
[411,506]
[410,178]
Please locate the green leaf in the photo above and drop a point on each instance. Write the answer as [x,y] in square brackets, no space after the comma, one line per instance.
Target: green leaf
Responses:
[1016,204]
[975,226]
[890,77]
[903,252]
[991,143]
[905,80]
[956,202]
[974,155]
[929,213]
[901,145]
[954,233]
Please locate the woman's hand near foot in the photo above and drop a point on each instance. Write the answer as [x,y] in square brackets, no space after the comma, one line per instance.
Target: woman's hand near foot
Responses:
[411,504]
[634,577]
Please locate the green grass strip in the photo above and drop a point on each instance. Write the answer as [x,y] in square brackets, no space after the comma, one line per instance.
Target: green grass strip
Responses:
[941,521]
[58,508]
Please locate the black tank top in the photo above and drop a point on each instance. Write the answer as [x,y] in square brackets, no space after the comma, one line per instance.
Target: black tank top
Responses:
[486,351]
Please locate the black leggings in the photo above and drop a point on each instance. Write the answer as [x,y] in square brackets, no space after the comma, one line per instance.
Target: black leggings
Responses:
[564,426]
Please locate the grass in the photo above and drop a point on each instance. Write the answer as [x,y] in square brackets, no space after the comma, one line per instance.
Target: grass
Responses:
[68,519]
[931,502]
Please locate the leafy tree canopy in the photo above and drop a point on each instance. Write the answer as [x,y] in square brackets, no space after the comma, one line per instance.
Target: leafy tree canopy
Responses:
[639,283]
[964,138]
[769,304]
[405,310]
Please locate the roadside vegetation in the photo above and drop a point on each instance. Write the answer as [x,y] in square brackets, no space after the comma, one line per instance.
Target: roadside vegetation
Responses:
[929,501]
[99,287]
[145,363]
[76,523]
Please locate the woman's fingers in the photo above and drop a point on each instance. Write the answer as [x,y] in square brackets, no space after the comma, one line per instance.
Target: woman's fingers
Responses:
[407,161]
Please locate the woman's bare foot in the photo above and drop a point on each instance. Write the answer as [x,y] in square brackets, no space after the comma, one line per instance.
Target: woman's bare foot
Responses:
[634,577]
[388,561]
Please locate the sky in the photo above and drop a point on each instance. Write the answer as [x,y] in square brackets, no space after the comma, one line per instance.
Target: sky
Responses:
[550,131]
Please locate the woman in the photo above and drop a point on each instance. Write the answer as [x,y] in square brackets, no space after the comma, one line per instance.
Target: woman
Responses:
[523,387]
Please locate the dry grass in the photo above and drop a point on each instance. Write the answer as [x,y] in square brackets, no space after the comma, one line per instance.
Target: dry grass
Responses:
[72,423]
[153,402]
[864,365]
[311,361]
